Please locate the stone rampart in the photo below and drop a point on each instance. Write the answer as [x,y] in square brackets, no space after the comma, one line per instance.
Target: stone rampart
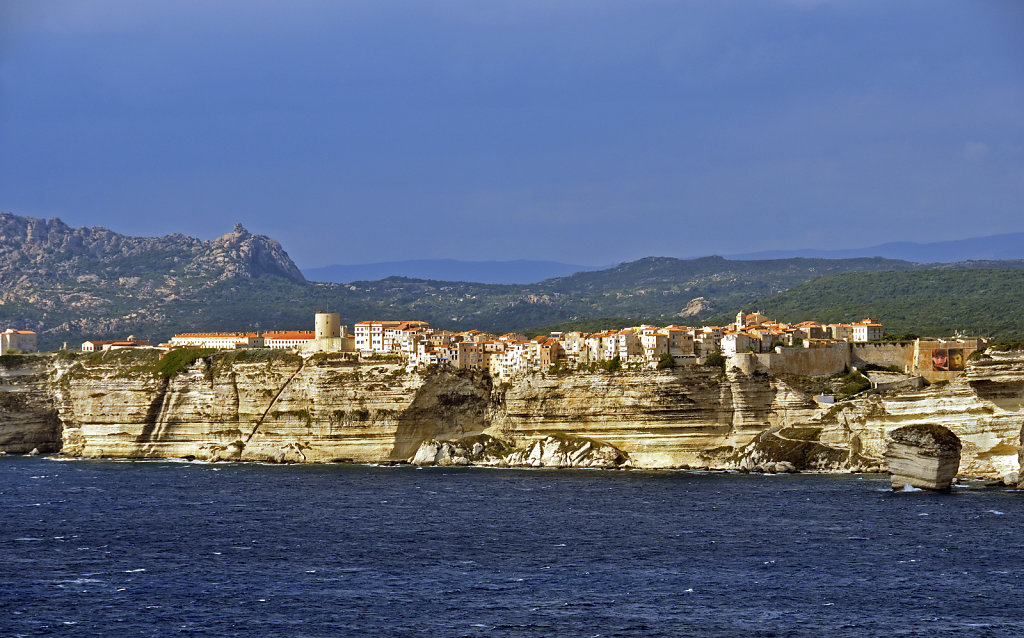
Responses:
[811,362]
[899,355]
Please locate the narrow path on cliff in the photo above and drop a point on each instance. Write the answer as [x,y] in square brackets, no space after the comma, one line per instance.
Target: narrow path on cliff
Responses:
[274,401]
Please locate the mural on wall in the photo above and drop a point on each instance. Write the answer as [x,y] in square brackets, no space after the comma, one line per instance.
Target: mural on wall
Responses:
[956,359]
[948,360]
[944,360]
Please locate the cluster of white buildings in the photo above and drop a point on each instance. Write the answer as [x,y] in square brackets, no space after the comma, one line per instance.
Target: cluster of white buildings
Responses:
[757,333]
[512,354]
[508,355]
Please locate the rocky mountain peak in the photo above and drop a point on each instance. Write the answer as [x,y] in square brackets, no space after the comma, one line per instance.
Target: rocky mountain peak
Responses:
[243,254]
[55,269]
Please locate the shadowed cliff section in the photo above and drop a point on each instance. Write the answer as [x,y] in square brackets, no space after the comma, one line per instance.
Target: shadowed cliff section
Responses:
[28,414]
[448,405]
[659,417]
[153,414]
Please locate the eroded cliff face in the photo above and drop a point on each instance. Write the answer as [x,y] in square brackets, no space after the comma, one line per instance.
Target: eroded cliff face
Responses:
[319,410]
[333,408]
[984,408]
[28,415]
[659,418]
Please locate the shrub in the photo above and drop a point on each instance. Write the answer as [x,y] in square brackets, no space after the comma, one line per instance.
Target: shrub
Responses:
[854,383]
[871,367]
[1006,346]
[715,359]
[667,361]
[10,359]
[177,360]
[910,336]
[612,365]
[559,367]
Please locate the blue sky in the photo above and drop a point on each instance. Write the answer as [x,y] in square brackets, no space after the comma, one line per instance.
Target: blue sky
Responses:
[580,131]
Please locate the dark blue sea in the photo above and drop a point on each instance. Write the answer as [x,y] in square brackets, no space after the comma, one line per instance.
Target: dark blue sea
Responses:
[98,548]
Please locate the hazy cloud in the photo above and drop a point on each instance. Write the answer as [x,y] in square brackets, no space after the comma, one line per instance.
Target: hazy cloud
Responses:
[976,151]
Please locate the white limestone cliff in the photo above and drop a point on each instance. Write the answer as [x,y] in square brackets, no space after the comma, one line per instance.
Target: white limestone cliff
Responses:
[280,408]
[984,408]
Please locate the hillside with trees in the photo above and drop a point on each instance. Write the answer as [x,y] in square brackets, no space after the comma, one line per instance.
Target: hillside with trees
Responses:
[72,284]
[977,302]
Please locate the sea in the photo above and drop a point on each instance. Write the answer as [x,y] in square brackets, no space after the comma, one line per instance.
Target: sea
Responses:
[158,548]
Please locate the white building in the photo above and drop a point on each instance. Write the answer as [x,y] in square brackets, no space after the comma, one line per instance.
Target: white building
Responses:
[628,346]
[384,336]
[868,330]
[130,342]
[654,345]
[734,342]
[217,340]
[23,340]
[287,339]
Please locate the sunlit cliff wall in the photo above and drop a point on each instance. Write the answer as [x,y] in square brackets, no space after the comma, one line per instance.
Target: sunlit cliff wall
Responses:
[329,408]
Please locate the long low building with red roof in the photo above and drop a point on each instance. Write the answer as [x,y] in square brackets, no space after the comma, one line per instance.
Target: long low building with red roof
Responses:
[217,340]
[284,339]
[113,344]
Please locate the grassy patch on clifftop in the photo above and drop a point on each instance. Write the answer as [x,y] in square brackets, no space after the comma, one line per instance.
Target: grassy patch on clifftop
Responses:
[225,360]
[177,360]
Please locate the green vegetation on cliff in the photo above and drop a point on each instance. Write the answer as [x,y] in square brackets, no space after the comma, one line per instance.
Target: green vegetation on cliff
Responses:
[134,362]
[983,302]
[177,360]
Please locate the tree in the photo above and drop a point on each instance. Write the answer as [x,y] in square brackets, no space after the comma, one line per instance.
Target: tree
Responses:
[612,365]
[715,359]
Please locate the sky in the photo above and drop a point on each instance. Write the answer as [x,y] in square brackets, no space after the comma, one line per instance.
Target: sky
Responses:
[587,132]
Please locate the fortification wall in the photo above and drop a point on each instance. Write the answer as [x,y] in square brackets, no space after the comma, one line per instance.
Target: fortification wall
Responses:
[801,361]
[897,355]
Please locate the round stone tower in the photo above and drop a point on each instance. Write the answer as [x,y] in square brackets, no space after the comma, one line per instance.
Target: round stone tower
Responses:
[328,325]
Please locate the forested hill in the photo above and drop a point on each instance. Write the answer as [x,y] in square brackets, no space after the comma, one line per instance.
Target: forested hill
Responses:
[72,284]
[982,302]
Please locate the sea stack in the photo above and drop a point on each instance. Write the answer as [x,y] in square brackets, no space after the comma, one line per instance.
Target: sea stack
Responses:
[923,456]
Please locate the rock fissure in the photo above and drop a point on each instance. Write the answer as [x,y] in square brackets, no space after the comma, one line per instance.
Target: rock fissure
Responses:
[154,415]
[270,406]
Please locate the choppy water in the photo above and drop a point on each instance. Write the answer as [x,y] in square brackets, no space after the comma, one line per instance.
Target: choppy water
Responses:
[162,548]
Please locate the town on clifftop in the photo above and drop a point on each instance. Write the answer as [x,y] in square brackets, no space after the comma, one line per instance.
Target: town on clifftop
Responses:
[752,343]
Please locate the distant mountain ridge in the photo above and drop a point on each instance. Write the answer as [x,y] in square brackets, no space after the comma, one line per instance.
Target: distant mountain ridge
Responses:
[1002,247]
[1008,246]
[519,271]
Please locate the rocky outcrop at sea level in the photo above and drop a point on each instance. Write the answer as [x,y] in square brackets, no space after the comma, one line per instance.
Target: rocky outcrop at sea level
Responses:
[923,456]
